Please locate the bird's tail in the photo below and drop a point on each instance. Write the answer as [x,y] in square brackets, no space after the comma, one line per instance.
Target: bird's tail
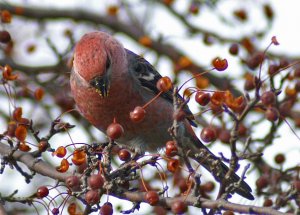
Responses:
[213,164]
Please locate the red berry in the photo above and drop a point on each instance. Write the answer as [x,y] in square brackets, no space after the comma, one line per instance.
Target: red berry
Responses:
[202,98]
[42,192]
[220,64]
[55,211]
[138,114]
[92,197]
[224,136]
[178,207]
[255,60]
[262,182]
[249,83]
[96,181]
[228,213]
[124,155]
[242,130]
[152,197]
[194,8]
[272,114]
[268,11]
[106,209]
[43,145]
[234,49]
[268,98]
[285,108]
[208,186]
[72,182]
[164,84]
[173,165]
[208,134]
[4,37]
[114,131]
[279,158]
[268,203]
[241,14]
[171,148]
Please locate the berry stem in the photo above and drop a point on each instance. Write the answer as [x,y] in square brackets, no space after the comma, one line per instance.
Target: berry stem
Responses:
[149,102]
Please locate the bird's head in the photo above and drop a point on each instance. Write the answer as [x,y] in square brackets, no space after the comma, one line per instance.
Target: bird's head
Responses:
[96,56]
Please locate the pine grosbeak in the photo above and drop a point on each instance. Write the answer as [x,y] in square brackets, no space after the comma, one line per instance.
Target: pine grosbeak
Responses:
[109,81]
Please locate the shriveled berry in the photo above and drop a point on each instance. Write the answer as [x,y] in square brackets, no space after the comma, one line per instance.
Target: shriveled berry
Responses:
[202,98]
[92,197]
[11,128]
[138,114]
[272,114]
[179,207]
[42,192]
[220,64]
[39,94]
[21,133]
[114,131]
[124,155]
[164,84]
[96,181]
[279,158]
[275,41]
[17,113]
[60,152]
[171,148]
[106,209]
[208,134]
[268,98]
[152,197]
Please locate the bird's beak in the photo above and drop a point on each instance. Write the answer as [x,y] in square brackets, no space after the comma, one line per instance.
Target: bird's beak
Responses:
[101,84]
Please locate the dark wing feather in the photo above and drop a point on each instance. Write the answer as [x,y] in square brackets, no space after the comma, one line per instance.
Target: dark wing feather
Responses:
[148,77]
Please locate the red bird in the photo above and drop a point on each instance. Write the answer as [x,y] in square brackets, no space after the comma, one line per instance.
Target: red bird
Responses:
[109,81]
